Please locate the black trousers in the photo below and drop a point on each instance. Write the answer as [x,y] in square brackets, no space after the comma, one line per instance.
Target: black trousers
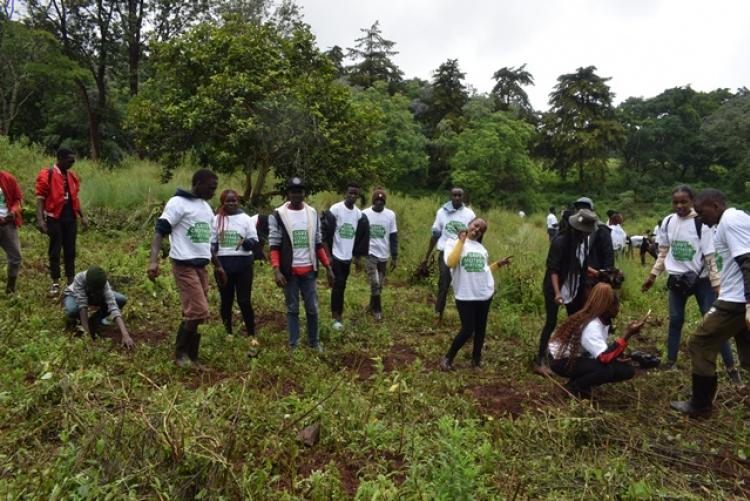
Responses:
[341,273]
[473,315]
[239,284]
[444,283]
[588,372]
[62,237]
[551,309]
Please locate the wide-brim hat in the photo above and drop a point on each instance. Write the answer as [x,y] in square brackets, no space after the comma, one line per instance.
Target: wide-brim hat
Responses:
[585,201]
[584,220]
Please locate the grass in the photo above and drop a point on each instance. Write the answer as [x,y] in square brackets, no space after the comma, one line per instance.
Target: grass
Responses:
[85,420]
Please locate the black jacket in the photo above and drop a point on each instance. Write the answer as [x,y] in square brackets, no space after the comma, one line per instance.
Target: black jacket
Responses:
[361,237]
[601,252]
[559,260]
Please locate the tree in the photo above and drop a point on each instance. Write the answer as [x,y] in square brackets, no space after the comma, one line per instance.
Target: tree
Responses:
[400,147]
[30,60]
[449,94]
[726,133]
[374,55]
[508,91]
[241,97]
[581,128]
[492,160]
[89,34]
[336,55]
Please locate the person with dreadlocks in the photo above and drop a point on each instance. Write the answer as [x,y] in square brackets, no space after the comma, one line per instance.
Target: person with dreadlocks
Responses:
[567,264]
[473,288]
[233,238]
[579,348]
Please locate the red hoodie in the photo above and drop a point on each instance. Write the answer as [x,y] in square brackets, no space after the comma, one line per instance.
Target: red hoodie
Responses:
[52,190]
[13,195]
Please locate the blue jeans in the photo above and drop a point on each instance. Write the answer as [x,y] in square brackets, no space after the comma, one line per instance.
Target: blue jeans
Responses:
[305,284]
[705,297]
[73,311]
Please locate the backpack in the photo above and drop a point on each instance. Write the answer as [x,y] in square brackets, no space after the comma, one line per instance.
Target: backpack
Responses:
[697,220]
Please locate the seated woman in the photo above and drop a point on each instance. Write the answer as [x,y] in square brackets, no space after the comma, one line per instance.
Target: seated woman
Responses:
[579,348]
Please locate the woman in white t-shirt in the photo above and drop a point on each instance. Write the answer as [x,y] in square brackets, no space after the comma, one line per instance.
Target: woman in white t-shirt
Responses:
[233,236]
[579,349]
[473,288]
[686,252]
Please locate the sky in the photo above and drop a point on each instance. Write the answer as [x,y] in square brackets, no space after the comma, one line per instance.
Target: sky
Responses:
[645,46]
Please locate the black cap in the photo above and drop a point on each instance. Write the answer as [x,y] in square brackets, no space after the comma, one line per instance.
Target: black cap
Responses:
[295,182]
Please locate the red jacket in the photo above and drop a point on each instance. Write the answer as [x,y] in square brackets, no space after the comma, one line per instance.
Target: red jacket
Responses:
[13,195]
[52,190]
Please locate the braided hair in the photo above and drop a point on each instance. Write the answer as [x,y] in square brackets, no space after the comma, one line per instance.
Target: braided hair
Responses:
[222,214]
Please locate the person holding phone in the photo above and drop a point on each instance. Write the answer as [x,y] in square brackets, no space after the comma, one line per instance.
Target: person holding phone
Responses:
[473,288]
[579,349]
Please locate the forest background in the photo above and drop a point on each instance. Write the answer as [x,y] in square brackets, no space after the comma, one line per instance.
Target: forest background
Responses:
[241,87]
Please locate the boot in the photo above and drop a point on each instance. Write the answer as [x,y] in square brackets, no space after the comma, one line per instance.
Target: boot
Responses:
[446,364]
[701,403]
[10,288]
[195,342]
[376,308]
[181,347]
[541,367]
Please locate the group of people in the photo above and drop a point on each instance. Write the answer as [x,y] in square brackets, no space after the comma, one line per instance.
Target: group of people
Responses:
[703,246]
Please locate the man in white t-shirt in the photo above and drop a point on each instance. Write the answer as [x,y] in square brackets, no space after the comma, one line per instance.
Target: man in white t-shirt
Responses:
[187,219]
[346,237]
[551,224]
[450,219]
[383,245]
[730,315]
[296,247]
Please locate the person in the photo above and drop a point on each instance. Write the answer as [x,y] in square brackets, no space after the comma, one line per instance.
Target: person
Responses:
[233,238]
[473,288]
[601,252]
[11,200]
[91,288]
[567,266]
[617,233]
[187,219]
[580,351]
[346,236]
[383,245]
[450,219]
[551,224]
[729,317]
[296,247]
[686,252]
[649,246]
[57,210]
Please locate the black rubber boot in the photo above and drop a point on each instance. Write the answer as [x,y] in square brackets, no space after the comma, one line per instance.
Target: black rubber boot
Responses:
[377,311]
[195,341]
[702,401]
[10,287]
[181,346]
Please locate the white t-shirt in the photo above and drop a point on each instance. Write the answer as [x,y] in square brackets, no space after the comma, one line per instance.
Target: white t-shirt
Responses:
[3,204]
[237,227]
[732,240]
[619,237]
[686,251]
[300,238]
[551,221]
[472,277]
[593,341]
[449,224]
[382,224]
[346,230]
[570,288]
[191,220]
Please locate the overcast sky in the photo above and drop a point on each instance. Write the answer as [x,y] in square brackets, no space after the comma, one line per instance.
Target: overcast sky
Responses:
[646,46]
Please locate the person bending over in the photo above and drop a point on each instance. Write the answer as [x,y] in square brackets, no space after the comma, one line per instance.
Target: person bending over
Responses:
[89,289]
[580,350]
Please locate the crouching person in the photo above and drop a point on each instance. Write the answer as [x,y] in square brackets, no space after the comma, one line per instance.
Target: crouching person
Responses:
[89,289]
[579,348]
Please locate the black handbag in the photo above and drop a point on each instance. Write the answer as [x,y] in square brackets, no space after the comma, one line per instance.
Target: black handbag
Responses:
[683,284]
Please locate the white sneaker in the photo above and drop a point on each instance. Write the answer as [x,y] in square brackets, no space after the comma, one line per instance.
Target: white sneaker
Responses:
[54,290]
[336,325]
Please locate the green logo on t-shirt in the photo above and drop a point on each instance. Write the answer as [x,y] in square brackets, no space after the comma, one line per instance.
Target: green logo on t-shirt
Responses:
[299,239]
[682,250]
[199,233]
[377,231]
[473,262]
[454,227]
[719,262]
[346,231]
[230,238]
